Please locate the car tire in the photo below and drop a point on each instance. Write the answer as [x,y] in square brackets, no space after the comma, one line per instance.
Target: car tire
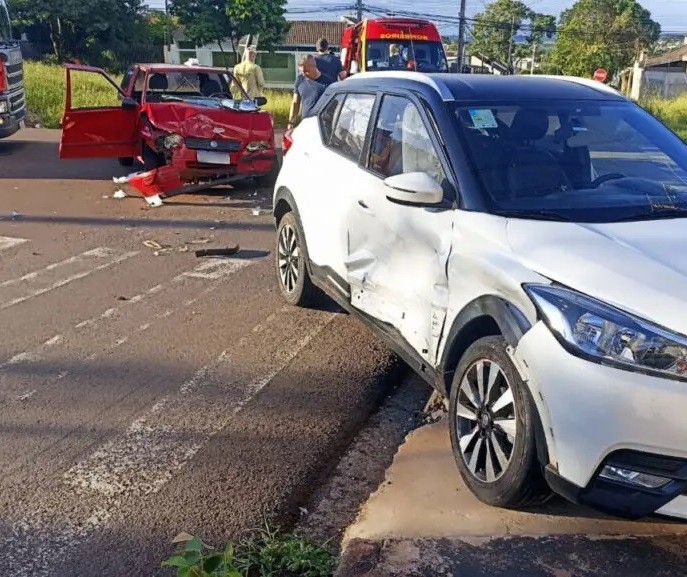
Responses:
[492,421]
[291,260]
[126,161]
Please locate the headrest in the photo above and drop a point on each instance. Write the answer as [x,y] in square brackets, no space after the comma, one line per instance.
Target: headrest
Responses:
[158,82]
[529,124]
[210,87]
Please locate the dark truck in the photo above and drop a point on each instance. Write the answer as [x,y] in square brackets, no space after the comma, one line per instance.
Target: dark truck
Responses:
[12,100]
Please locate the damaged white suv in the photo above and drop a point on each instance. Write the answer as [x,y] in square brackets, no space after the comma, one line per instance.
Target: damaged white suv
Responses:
[522,243]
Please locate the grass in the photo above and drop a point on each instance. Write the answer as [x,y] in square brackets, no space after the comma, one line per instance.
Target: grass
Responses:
[672,112]
[45,89]
[266,553]
[45,97]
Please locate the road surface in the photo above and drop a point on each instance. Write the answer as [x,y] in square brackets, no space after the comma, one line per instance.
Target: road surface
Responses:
[144,391]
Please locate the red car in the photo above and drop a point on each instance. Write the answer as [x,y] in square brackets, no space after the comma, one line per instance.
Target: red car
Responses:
[181,117]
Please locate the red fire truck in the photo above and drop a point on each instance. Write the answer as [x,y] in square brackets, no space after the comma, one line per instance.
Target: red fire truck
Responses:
[393,44]
[12,105]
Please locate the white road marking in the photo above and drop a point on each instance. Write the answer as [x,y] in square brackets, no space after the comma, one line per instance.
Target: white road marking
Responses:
[7,242]
[147,455]
[34,284]
[224,269]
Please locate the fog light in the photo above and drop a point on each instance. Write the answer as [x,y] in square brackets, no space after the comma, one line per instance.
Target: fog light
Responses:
[4,107]
[258,145]
[635,478]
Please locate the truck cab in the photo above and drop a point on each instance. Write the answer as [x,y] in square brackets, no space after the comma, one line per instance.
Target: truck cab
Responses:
[378,44]
[12,102]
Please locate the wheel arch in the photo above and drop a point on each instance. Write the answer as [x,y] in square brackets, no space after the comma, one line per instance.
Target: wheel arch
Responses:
[283,203]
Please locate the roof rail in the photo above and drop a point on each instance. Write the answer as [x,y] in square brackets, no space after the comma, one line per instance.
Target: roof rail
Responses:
[434,83]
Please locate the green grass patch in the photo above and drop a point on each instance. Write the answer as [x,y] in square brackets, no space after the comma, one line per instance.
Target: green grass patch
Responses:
[45,90]
[672,112]
[267,553]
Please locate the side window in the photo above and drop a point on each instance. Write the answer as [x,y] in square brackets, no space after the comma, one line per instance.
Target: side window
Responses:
[350,129]
[401,142]
[328,117]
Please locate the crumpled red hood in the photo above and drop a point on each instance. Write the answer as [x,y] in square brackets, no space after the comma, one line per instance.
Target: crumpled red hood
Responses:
[192,121]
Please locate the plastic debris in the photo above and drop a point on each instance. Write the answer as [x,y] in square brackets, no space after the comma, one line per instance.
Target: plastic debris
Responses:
[15,215]
[256,211]
[153,244]
[154,201]
[119,194]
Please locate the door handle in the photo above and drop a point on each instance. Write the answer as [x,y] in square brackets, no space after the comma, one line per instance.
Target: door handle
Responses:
[362,204]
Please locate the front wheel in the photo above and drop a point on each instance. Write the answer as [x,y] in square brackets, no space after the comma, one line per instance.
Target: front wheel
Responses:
[293,277]
[492,425]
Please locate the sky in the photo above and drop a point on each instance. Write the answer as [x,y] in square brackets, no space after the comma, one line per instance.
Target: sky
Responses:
[671,14]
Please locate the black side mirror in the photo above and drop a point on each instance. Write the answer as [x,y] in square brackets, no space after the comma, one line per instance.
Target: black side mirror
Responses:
[129,103]
[261,101]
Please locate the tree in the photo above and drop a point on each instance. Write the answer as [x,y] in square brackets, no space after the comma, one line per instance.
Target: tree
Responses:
[495,30]
[82,28]
[602,33]
[216,21]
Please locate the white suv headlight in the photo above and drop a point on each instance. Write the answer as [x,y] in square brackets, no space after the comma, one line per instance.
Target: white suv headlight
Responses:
[605,334]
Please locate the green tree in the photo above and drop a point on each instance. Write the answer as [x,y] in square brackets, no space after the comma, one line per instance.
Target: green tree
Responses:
[216,21]
[602,33]
[81,28]
[496,27]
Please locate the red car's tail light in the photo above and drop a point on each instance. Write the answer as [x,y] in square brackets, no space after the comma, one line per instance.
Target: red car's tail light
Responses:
[288,141]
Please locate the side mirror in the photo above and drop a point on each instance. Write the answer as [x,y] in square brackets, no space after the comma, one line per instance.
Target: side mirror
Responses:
[414,189]
[261,101]
[129,103]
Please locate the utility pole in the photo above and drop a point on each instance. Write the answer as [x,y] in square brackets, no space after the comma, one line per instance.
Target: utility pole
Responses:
[510,45]
[359,9]
[461,35]
[534,57]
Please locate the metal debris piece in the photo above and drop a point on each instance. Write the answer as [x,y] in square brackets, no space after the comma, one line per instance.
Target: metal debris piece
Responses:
[229,251]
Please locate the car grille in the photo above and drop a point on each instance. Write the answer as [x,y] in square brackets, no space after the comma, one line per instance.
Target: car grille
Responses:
[208,144]
[17,102]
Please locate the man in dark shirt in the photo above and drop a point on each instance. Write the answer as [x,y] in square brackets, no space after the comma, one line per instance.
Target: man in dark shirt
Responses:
[327,62]
[310,85]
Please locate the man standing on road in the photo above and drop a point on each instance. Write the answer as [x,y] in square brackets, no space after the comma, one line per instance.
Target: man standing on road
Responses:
[327,62]
[310,85]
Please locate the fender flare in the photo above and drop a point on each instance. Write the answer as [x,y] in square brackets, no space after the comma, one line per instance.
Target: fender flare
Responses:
[511,321]
[283,195]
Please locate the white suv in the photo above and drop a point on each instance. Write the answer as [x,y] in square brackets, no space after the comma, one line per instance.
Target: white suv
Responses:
[521,242]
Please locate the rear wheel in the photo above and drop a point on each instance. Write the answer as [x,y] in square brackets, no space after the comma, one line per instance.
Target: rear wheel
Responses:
[293,277]
[492,424]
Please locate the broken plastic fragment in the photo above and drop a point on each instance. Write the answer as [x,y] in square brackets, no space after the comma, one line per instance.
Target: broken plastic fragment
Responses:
[119,194]
[154,201]
[256,212]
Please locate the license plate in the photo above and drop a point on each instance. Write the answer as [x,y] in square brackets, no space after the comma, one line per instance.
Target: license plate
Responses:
[212,157]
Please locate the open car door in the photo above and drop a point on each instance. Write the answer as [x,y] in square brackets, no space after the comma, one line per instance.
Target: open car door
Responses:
[108,131]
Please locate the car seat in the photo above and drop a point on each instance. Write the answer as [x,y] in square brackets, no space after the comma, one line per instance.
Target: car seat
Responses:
[210,87]
[532,170]
[157,83]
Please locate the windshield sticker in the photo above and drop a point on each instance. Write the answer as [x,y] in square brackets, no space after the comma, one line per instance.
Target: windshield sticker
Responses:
[483,118]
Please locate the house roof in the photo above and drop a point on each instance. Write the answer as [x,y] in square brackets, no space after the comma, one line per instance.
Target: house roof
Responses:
[308,32]
[672,57]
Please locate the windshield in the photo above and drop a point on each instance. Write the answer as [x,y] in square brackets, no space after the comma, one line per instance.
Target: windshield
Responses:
[191,85]
[5,28]
[401,54]
[582,161]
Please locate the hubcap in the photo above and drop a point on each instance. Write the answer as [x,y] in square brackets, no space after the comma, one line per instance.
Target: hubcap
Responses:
[486,420]
[288,258]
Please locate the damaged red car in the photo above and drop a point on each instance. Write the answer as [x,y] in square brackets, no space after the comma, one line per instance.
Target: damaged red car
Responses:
[182,118]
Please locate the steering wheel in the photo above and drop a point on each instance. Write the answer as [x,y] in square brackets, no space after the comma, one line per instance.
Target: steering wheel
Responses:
[606,177]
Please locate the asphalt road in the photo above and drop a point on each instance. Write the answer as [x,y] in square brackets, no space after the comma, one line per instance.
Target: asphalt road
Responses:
[145,392]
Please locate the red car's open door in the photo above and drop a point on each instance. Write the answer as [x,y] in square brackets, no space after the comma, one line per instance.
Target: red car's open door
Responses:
[106,131]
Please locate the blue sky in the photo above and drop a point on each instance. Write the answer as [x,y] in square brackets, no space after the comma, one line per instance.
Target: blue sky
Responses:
[672,14]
